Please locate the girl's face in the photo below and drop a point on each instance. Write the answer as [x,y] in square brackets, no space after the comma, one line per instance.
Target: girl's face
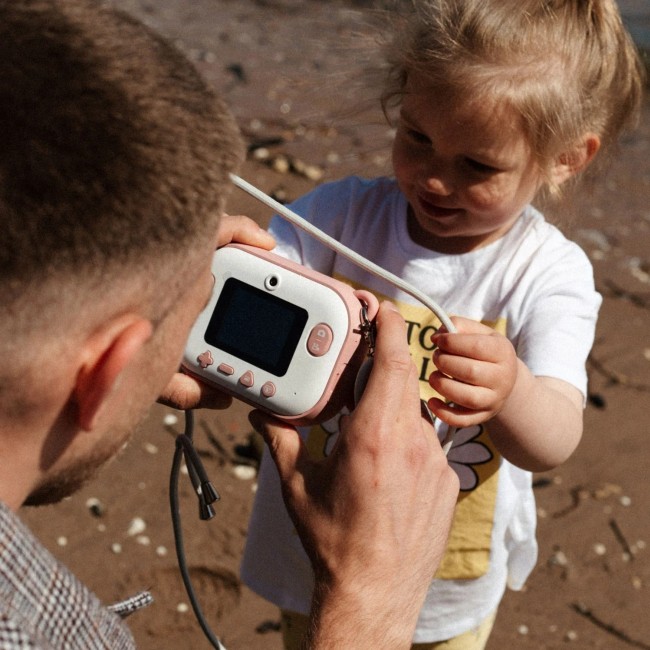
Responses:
[465,169]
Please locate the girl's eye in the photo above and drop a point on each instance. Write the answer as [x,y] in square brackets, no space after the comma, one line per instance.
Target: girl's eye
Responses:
[416,136]
[480,167]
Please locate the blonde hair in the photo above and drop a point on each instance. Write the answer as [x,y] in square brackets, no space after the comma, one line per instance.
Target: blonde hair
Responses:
[567,67]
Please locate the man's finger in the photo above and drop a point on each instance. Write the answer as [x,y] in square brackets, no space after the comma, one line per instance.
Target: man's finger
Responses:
[282,440]
[184,392]
[393,374]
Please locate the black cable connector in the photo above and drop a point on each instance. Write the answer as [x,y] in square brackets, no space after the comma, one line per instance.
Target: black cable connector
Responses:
[207,495]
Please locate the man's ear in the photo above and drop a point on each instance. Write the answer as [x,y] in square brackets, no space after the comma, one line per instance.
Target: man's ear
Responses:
[575,160]
[106,354]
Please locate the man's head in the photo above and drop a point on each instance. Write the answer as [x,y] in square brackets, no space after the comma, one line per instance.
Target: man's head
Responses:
[113,170]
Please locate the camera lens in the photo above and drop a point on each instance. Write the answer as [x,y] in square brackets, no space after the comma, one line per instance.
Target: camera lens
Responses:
[272,282]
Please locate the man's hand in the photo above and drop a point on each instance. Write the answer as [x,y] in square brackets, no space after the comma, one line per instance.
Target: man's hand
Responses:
[185,392]
[375,514]
[476,372]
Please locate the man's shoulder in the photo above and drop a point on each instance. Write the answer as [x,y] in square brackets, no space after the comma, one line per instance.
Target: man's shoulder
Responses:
[43,605]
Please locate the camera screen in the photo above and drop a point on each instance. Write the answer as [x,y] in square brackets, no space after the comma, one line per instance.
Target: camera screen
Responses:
[255,326]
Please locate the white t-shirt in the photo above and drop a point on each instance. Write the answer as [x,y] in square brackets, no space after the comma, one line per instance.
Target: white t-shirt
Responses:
[532,285]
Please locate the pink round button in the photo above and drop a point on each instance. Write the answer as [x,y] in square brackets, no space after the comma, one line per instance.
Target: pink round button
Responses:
[320,340]
[268,389]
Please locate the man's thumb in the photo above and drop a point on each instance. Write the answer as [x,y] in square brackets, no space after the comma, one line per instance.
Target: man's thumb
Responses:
[282,440]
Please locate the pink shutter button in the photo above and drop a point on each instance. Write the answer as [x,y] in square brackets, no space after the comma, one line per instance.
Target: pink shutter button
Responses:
[320,340]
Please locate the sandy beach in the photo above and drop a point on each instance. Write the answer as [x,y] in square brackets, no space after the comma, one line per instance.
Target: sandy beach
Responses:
[278,63]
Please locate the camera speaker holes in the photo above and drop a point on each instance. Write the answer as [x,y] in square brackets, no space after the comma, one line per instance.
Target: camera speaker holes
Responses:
[272,282]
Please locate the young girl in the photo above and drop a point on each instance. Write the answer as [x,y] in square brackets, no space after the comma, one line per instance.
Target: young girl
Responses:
[499,101]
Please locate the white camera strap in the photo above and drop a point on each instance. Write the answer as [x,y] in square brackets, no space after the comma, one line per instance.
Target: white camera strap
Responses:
[360,261]
[353,256]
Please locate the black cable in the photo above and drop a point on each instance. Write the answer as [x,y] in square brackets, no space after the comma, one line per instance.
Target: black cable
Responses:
[207,495]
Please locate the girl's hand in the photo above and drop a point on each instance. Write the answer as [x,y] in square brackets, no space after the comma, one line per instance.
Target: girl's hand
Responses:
[476,372]
[243,230]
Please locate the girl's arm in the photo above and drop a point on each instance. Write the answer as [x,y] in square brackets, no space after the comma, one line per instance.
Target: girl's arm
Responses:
[535,422]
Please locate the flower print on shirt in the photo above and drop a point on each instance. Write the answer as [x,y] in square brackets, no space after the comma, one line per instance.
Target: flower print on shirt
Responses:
[466,452]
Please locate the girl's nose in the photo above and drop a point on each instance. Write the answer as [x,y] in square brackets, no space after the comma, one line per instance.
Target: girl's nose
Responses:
[437,181]
[436,173]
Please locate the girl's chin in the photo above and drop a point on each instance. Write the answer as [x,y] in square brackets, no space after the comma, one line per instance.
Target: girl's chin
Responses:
[437,238]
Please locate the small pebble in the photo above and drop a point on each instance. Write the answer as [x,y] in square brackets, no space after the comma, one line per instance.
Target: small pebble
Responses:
[161,551]
[280,164]
[523,630]
[116,548]
[571,635]
[62,541]
[143,540]
[136,527]
[95,506]
[244,472]
[150,448]
[600,549]
[170,419]
[559,558]
[626,501]
[262,153]
[313,173]
[607,490]
[182,608]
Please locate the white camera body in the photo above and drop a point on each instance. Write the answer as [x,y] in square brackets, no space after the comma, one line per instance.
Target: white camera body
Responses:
[275,334]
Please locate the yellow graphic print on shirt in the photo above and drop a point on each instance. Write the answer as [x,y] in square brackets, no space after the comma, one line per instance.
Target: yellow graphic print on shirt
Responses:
[473,457]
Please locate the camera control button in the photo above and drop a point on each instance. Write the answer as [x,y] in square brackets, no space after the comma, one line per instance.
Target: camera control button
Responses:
[268,389]
[320,339]
[247,379]
[205,359]
[225,369]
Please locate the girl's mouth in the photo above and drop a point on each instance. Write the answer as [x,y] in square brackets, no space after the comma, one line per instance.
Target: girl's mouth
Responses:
[432,210]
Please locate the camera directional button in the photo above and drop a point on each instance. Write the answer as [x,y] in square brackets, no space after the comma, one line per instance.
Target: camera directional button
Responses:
[247,379]
[268,389]
[225,369]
